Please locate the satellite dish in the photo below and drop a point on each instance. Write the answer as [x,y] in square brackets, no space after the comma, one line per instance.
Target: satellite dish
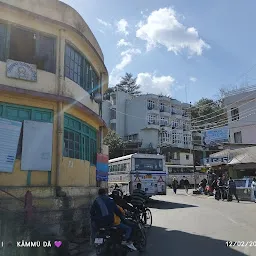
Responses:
[97,98]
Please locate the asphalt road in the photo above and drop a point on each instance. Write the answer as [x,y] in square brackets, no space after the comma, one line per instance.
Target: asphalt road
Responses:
[192,225]
[200,226]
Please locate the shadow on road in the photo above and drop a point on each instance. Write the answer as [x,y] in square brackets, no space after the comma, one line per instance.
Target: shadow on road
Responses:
[166,243]
[158,204]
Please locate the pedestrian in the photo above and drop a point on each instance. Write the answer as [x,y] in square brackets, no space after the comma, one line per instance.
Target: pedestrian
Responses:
[232,189]
[254,188]
[174,185]
[220,188]
[186,184]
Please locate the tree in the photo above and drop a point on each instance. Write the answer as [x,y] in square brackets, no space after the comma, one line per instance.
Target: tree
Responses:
[208,111]
[115,143]
[107,93]
[128,84]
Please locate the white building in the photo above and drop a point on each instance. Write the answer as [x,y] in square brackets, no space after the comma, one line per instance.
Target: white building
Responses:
[241,106]
[152,119]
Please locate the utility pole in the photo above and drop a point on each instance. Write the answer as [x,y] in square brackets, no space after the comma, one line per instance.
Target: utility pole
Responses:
[194,165]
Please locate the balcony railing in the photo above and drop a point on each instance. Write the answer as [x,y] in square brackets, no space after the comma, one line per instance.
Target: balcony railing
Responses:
[153,122]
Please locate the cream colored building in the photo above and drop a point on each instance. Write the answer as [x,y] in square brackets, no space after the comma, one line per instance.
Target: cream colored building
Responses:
[51,67]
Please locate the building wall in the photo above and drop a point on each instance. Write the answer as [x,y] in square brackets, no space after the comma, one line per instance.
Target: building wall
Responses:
[60,12]
[149,136]
[67,26]
[121,98]
[106,112]
[184,161]
[246,104]
[136,115]
[19,177]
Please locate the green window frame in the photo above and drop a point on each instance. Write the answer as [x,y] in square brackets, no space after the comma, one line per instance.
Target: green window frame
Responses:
[20,113]
[80,140]
[79,70]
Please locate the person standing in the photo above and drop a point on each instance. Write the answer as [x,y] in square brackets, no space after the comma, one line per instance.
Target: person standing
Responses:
[254,188]
[232,189]
[174,185]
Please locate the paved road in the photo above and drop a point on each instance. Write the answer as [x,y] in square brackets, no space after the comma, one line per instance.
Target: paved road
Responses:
[190,225]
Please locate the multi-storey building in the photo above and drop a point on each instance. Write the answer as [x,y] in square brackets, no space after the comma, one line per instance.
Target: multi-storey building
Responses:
[156,121]
[51,65]
[240,105]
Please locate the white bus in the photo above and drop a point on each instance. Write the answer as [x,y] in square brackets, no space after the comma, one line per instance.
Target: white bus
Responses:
[147,169]
[182,172]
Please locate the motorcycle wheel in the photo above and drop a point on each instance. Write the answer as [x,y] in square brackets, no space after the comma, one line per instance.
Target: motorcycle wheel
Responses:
[140,241]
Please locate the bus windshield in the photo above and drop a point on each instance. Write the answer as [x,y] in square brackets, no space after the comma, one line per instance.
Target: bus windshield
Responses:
[148,164]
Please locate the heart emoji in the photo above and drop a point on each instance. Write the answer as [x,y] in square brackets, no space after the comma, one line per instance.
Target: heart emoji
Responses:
[58,244]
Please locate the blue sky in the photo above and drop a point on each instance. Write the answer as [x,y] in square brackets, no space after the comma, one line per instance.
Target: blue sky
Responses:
[172,45]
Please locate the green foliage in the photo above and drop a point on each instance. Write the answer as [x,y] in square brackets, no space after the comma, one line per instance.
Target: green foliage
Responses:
[208,111]
[115,143]
[128,84]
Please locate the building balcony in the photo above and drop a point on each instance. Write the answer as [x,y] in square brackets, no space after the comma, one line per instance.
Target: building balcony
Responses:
[153,125]
[163,123]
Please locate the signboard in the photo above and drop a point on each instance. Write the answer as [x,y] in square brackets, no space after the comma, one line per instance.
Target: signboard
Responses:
[21,70]
[119,178]
[9,139]
[214,136]
[215,160]
[36,146]
[102,167]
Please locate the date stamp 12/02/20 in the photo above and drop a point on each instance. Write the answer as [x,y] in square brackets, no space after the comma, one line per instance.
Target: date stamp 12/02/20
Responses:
[241,243]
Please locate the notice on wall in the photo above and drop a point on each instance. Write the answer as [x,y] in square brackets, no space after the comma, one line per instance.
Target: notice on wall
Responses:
[9,139]
[37,146]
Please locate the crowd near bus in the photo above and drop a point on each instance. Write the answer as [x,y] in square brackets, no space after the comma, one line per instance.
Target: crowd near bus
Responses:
[147,169]
[182,173]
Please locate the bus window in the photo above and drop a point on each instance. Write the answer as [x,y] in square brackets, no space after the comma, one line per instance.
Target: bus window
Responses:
[148,164]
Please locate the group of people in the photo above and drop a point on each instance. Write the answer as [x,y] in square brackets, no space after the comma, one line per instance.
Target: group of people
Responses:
[109,211]
[175,184]
[224,189]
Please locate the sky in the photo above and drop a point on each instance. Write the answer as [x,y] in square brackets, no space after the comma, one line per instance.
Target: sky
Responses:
[181,48]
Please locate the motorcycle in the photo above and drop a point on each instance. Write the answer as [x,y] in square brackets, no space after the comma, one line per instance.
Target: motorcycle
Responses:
[108,242]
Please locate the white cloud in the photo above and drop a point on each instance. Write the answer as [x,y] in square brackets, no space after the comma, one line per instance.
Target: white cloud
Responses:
[193,79]
[127,57]
[151,83]
[163,28]
[122,26]
[104,23]
[122,42]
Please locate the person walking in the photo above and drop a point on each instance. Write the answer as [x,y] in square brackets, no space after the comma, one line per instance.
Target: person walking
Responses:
[232,189]
[254,188]
[186,185]
[174,185]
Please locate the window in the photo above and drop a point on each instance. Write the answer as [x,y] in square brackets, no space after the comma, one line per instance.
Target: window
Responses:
[187,157]
[151,104]
[238,137]
[152,119]
[79,70]
[33,47]
[148,164]
[3,36]
[22,45]
[80,140]
[45,53]
[21,113]
[113,114]
[234,114]
[162,107]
